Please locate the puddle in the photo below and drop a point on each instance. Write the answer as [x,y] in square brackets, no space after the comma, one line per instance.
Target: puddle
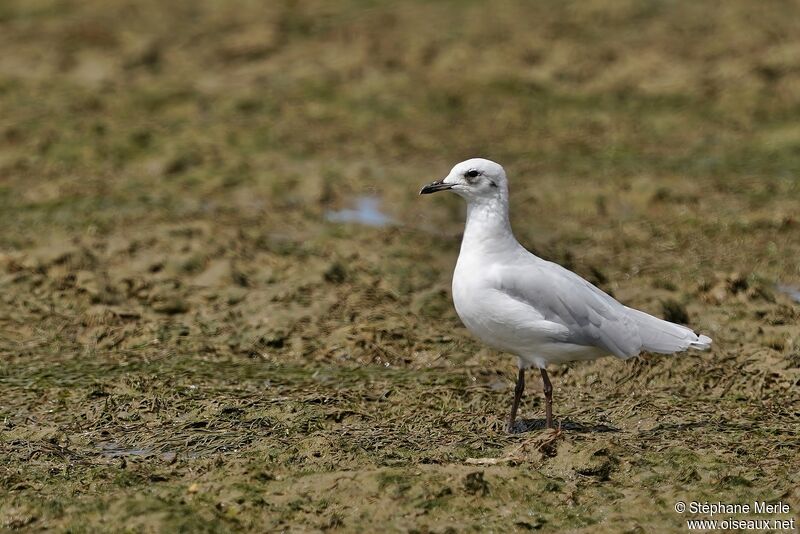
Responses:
[792,292]
[367,211]
[115,450]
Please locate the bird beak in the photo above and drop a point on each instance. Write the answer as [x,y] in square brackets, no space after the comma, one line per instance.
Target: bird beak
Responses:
[433,187]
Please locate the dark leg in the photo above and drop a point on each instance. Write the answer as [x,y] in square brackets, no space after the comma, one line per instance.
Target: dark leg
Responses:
[548,398]
[517,397]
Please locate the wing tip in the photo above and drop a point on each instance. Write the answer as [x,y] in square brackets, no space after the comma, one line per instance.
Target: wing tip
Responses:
[702,343]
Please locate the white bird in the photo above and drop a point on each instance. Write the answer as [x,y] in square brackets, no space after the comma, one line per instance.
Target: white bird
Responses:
[537,310]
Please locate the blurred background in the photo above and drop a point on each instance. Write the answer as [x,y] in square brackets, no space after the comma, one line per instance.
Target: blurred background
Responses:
[219,288]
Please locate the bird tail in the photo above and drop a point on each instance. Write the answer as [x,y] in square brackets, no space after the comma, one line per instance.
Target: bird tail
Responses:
[663,337]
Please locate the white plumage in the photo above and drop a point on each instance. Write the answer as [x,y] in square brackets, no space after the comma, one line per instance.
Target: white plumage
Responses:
[519,303]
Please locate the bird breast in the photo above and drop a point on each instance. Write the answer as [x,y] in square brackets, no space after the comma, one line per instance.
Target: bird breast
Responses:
[489,314]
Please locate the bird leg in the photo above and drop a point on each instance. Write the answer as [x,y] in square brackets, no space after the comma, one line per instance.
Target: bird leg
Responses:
[517,397]
[548,398]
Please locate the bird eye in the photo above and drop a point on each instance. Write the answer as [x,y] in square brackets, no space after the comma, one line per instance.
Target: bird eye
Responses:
[471,174]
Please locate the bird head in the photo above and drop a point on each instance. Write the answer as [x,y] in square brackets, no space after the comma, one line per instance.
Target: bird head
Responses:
[474,179]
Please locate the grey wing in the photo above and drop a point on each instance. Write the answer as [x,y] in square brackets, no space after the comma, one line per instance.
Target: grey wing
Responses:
[592,317]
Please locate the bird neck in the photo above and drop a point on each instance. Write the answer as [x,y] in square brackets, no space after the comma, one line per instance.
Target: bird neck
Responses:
[488,228]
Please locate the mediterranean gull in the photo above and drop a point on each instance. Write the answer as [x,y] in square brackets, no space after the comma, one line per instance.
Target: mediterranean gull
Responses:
[537,310]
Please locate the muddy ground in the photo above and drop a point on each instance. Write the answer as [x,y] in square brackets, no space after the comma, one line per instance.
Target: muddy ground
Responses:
[224,307]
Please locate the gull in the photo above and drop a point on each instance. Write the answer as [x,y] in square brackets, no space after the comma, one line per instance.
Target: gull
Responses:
[539,311]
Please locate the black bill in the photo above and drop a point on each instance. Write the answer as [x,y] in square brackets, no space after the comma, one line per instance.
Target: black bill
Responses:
[433,187]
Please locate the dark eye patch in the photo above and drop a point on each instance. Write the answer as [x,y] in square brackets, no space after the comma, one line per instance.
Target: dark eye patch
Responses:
[471,174]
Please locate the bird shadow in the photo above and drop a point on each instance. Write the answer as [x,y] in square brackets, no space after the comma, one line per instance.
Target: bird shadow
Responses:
[529,425]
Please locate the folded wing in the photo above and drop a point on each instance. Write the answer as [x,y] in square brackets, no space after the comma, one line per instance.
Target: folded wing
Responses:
[592,317]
